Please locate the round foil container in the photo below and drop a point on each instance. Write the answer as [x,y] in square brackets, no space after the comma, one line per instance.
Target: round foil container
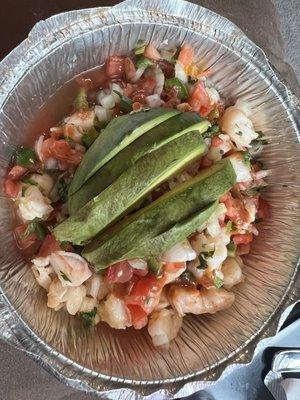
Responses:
[123,364]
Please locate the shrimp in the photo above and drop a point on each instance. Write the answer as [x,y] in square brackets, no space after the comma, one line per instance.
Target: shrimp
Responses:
[232,271]
[34,205]
[173,271]
[114,312]
[190,300]
[163,326]
[42,276]
[56,294]
[163,301]
[238,126]
[71,268]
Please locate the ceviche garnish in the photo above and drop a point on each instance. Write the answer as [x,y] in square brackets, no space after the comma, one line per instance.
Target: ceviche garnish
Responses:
[136,208]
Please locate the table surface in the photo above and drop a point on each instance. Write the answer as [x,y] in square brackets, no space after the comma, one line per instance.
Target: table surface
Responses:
[20,377]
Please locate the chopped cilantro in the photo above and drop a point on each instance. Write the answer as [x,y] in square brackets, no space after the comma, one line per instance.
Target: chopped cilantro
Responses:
[89,317]
[212,131]
[62,188]
[140,47]
[240,133]
[231,247]
[247,158]
[25,156]
[37,227]
[29,181]
[218,282]
[65,277]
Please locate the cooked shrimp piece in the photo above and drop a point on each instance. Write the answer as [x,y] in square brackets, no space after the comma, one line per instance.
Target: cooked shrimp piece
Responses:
[74,298]
[42,276]
[82,119]
[34,205]
[163,301]
[56,294]
[71,268]
[88,304]
[239,127]
[163,326]
[73,132]
[173,270]
[114,312]
[97,287]
[232,271]
[190,300]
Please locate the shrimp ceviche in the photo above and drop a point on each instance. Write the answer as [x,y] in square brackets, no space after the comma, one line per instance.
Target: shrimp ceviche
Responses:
[135,209]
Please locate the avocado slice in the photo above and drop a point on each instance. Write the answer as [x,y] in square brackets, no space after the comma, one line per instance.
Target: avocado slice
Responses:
[160,216]
[118,134]
[180,231]
[149,141]
[130,188]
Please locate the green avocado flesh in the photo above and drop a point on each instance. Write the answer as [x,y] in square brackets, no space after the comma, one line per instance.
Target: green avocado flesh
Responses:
[149,141]
[118,134]
[174,207]
[131,188]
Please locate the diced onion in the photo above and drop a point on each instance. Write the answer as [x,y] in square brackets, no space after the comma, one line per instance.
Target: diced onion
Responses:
[153,100]
[241,170]
[108,101]
[180,252]
[116,88]
[39,146]
[51,163]
[139,72]
[180,72]
[138,263]
[160,81]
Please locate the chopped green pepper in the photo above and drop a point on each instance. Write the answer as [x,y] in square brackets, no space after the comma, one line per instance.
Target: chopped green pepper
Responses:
[143,62]
[179,85]
[231,247]
[25,156]
[155,266]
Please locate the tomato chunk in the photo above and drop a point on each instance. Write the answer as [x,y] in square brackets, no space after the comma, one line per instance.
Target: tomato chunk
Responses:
[186,55]
[17,172]
[62,151]
[200,101]
[236,210]
[49,245]
[139,317]
[22,241]
[120,272]
[243,239]
[11,188]
[145,293]
[114,67]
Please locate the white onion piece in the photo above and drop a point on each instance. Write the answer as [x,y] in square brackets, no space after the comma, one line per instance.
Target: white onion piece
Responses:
[139,72]
[108,101]
[38,147]
[213,94]
[220,254]
[153,100]
[101,113]
[115,87]
[168,52]
[180,252]
[197,272]
[51,163]
[241,169]
[261,174]
[44,182]
[138,263]
[160,81]
[41,261]
[180,72]
[100,96]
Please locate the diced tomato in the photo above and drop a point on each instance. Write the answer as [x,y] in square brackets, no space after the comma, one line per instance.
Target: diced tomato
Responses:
[62,151]
[136,106]
[49,245]
[205,162]
[151,52]
[145,293]
[243,239]
[24,242]
[139,317]
[114,67]
[263,208]
[148,85]
[171,267]
[120,272]
[216,141]
[186,55]
[17,172]
[236,210]
[200,101]
[11,188]
[243,249]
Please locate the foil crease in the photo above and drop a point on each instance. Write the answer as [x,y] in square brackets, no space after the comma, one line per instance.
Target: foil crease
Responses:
[67,44]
